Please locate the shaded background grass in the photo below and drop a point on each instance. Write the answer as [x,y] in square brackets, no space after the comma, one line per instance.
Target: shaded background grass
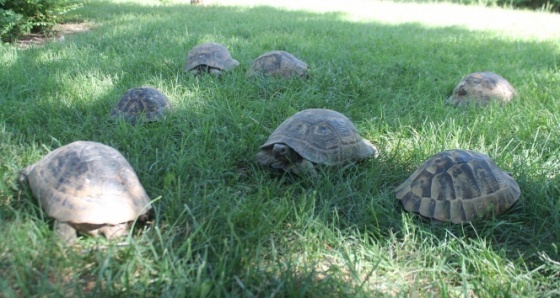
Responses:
[227,227]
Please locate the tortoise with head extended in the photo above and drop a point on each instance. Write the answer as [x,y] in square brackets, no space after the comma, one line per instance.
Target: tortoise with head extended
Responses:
[314,136]
[143,104]
[458,186]
[210,57]
[480,88]
[87,187]
[278,63]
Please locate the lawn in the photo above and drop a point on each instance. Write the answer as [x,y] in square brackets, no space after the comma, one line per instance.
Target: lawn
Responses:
[225,226]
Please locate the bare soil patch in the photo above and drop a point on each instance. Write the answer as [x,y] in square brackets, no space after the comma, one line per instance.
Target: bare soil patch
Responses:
[58,33]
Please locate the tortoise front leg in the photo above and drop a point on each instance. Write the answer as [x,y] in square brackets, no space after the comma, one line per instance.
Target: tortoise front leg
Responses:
[111,232]
[65,232]
[265,159]
[306,167]
[215,71]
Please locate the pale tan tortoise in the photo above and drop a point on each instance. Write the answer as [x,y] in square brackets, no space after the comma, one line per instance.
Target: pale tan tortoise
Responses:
[141,105]
[480,88]
[458,186]
[210,57]
[87,187]
[278,63]
[314,136]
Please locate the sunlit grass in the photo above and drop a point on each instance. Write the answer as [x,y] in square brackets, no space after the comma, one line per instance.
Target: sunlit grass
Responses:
[428,13]
[508,23]
[226,227]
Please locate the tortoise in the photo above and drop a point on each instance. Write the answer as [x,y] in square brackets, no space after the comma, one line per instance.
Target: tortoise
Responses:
[278,63]
[480,88]
[314,136]
[142,104]
[87,187]
[458,186]
[210,58]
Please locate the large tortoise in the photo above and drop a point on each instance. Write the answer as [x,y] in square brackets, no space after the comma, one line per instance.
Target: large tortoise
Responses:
[87,187]
[210,58]
[278,63]
[314,136]
[143,104]
[458,186]
[480,88]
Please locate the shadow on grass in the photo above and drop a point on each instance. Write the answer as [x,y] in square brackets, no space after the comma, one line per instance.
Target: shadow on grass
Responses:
[385,78]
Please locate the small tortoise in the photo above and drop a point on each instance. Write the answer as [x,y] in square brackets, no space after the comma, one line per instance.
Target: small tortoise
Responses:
[278,63]
[458,186]
[87,187]
[210,58]
[143,104]
[314,136]
[480,88]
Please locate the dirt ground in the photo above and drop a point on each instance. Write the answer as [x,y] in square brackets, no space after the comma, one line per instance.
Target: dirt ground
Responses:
[58,33]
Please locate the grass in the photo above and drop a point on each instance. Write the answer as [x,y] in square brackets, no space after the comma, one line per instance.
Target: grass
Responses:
[226,227]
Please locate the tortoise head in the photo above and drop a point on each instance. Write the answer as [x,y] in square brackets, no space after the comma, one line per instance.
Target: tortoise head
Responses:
[284,152]
[287,159]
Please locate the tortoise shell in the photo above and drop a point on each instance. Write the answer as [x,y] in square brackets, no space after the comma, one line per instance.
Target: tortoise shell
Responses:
[278,63]
[89,187]
[458,186]
[209,57]
[480,88]
[320,136]
[143,104]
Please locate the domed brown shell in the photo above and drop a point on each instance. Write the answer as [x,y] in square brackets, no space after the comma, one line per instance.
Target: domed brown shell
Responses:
[321,136]
[278,63]
[458,186]
[143,104]
[87,184]
[208,56]
[480,88]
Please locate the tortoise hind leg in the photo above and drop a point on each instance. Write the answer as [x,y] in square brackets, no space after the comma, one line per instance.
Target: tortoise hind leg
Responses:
[65,232]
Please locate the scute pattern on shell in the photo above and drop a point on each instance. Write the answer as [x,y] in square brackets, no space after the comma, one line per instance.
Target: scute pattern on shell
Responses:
[458,186]
[143,104]
[321,136]
[210,54]
[480,88]
[87,183]
[278,63]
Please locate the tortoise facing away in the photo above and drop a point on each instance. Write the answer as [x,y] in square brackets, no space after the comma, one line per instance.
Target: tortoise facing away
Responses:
[480,88]
[314,136]
[458,186]
[211,58]
[143,104]
[87,187]
[278,63]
